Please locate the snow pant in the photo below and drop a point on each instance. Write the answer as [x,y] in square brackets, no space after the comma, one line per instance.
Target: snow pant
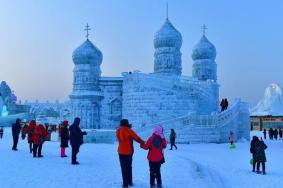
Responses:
[172,142]
[75,151]
[258,166]
[37,150]
[231,142]
[264,135]
[126,168]
[1,135]
[63,152]
[15,142]
[154,168]
[30,146]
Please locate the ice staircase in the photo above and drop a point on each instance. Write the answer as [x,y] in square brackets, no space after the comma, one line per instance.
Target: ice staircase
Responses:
[212,128]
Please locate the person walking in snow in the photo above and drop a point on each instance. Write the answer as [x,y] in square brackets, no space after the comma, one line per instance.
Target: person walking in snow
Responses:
[172,139]
[126,136]
[259,154]
[39,136]
[275,132]
[280,134]
[232,137]
[65,136]
[76,139]
[252,150]
[155,144]
[16,130]
[29,131]
[1,132]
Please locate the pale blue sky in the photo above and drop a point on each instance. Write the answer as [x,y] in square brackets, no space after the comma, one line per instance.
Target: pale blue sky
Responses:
[37,39]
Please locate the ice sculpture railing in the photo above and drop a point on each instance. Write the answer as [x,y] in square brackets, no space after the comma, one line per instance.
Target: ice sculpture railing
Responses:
[217,120]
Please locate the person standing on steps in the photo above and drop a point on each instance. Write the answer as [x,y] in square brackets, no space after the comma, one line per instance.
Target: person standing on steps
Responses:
[29,131]
[39,136]
[1,132]
[16,130]
[155,144]
[76,139]
[125,136]
[65,136]
[172,139]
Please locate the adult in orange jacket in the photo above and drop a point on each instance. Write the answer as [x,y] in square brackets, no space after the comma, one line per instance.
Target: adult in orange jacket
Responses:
[29,131]
[39,136]
[125,136]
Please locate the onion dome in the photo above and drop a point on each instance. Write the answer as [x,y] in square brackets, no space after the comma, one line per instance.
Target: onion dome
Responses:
[204,50]
[87,53]
[167,36]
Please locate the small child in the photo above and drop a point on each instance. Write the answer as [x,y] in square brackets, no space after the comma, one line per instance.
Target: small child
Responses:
[155,144]
[64,134]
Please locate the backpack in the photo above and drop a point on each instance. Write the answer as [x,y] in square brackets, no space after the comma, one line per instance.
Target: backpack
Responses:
[157,142]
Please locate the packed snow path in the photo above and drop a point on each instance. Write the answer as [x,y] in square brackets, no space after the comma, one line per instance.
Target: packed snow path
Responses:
[194,165]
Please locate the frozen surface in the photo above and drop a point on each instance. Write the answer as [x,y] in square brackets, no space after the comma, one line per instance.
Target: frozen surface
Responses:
[192,165]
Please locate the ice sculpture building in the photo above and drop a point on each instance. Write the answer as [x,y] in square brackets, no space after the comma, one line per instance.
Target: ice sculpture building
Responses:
[189,104]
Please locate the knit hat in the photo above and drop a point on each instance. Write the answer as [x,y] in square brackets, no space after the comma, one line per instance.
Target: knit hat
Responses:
[159,131]
[124,122]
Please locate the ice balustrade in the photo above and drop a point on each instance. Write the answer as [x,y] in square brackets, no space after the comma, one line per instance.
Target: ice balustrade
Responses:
[217,120]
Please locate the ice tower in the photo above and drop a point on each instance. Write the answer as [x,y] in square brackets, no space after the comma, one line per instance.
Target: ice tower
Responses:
[167,57]
[204,54]
[86,95]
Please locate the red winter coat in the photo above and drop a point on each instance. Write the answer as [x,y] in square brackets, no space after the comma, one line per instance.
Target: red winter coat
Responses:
[29,130]
[125,136]
[155,154]
[39,131]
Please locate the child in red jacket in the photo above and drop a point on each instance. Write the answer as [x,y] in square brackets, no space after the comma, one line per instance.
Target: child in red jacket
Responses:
[155,144]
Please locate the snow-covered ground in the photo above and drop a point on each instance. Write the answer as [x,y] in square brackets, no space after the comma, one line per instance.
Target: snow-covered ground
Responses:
[193,166]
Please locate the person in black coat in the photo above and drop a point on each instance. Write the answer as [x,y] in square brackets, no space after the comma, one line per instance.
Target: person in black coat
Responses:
[280,134]
[259,149]
[172,139]
[76,139]
[1,131]
[65,136]
[16,130]
[264,134]
[252,150]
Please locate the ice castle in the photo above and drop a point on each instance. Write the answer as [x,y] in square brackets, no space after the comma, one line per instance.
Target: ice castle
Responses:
[189,104]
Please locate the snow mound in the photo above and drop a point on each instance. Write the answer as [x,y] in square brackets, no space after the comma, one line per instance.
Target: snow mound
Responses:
[271,104]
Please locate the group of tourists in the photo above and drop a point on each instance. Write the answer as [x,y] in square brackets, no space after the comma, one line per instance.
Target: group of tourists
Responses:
[224,104]
[273,134]
[257,149]
[37,134]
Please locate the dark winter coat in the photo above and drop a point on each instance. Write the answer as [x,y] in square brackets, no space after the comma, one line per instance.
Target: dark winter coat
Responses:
[16,129]
[172,136]
[76,135]
[64,137]
[259,151]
